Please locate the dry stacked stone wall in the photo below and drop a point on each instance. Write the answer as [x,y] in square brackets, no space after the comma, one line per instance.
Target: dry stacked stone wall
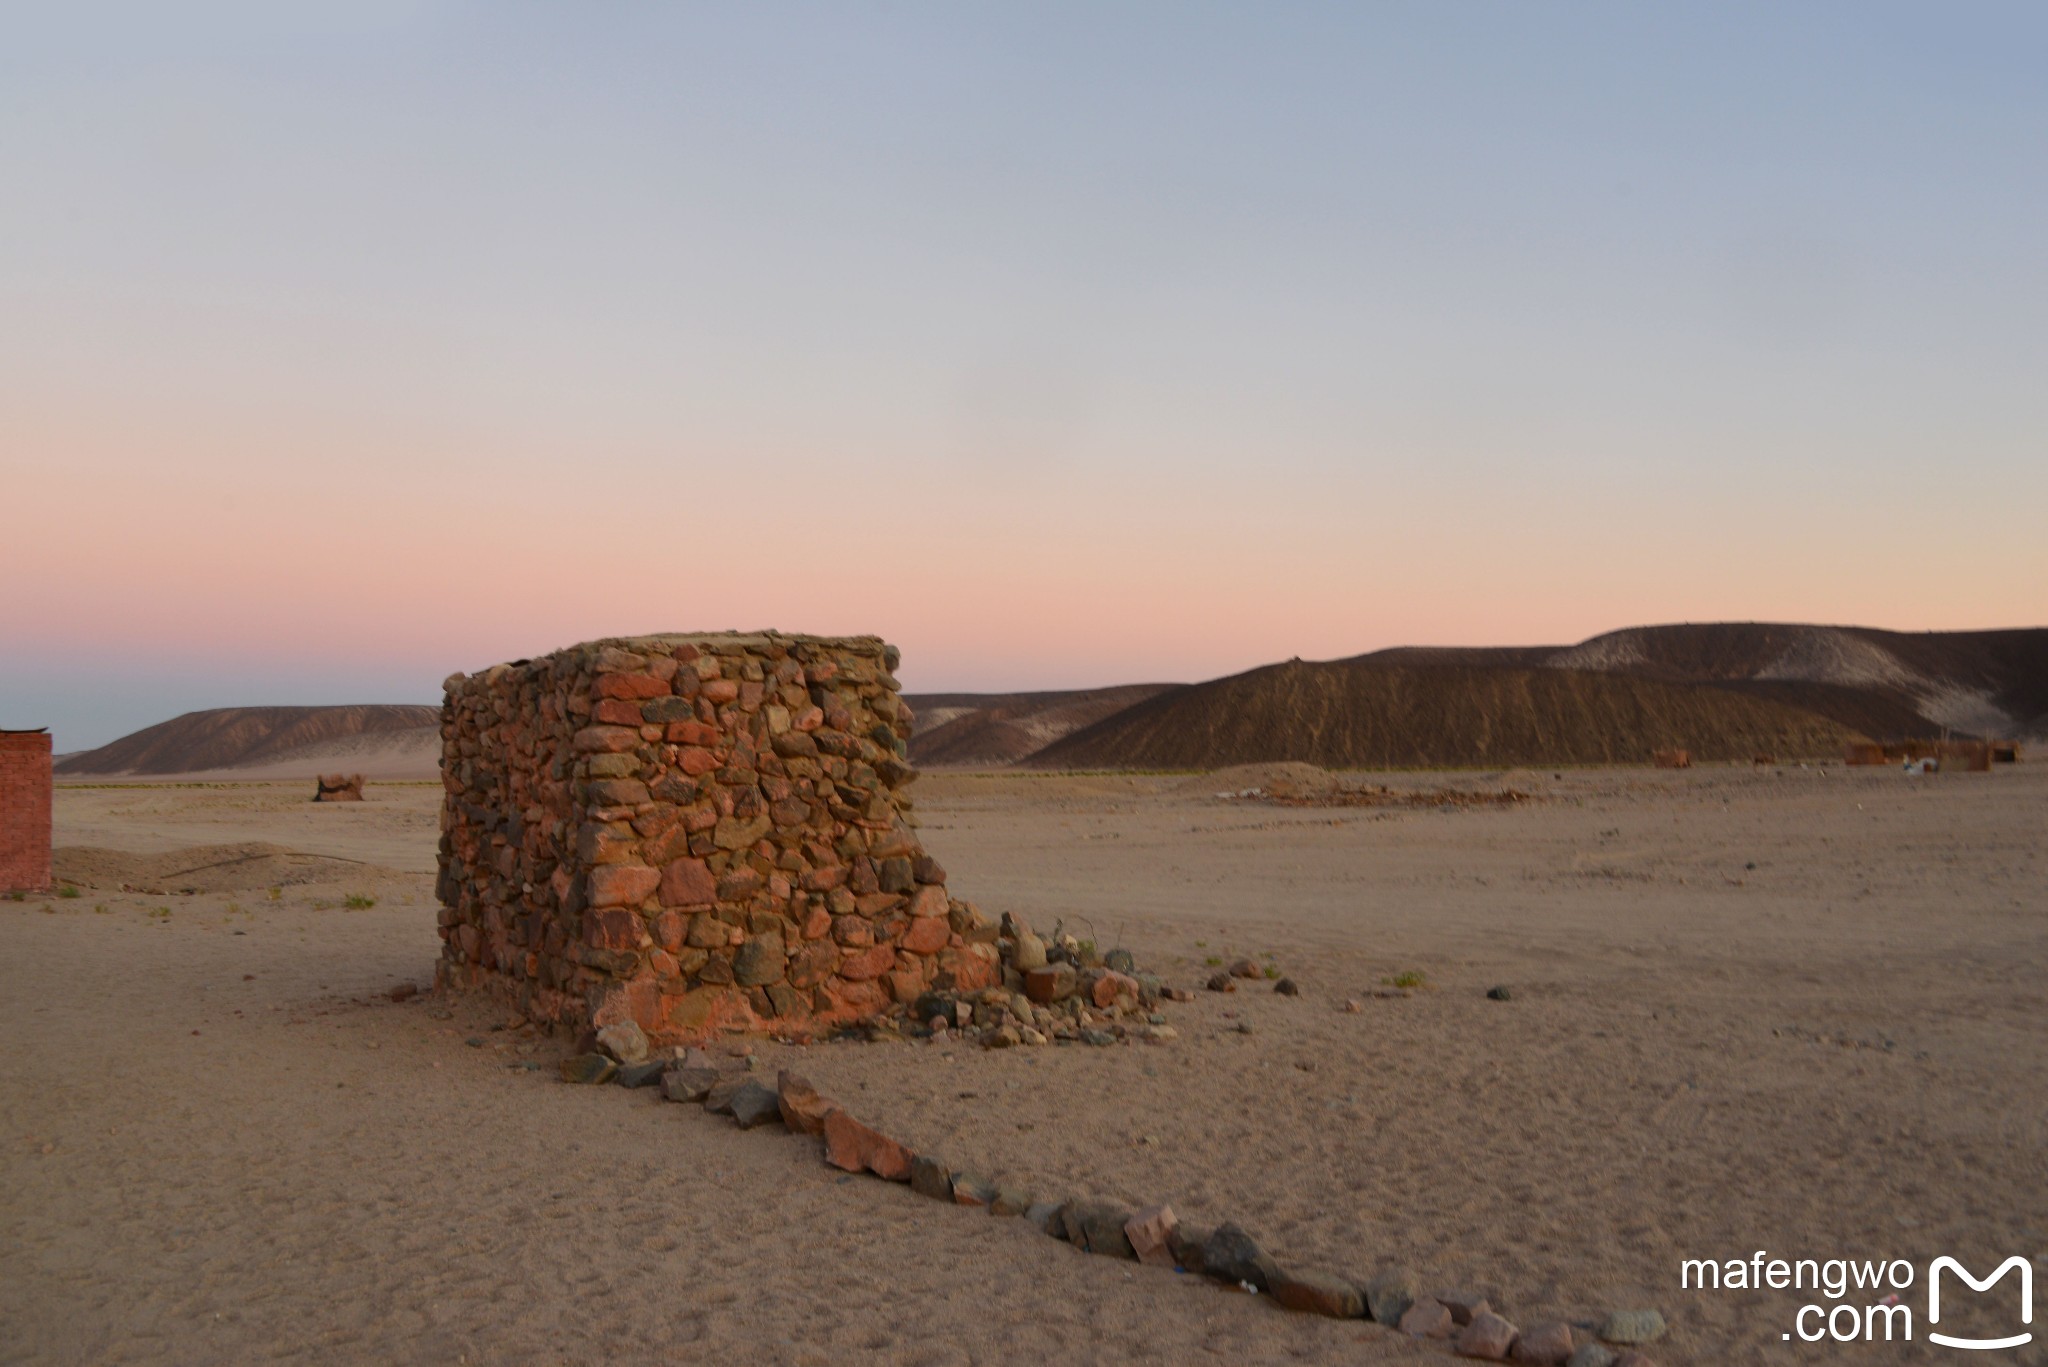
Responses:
[696,833]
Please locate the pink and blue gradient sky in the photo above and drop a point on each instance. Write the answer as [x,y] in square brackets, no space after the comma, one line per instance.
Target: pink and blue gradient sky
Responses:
[1061,343]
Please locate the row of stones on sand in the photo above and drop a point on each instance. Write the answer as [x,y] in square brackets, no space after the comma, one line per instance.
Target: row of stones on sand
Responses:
[1465,1321]
[711,833]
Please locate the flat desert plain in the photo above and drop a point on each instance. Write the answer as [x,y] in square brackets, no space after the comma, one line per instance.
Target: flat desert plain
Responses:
[1793,1010]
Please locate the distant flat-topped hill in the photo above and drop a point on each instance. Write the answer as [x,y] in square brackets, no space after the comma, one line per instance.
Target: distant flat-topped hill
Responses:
[386,740]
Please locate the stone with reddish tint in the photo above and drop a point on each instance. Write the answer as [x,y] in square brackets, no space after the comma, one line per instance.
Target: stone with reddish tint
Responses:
[601,740]
[868,964]
[1488,1337]
[1544,1345]
[1150,1232]
[803,1110]
[1318,1293]
[927,935]
[1113,989]
[622,885]
[1050,983]
[970,1190]
[615,928]
[1428,1319]
[1245,968]
[853,1147]
[634,686]
[687,883]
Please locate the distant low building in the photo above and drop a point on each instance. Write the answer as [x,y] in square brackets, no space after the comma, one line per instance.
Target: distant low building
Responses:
[24,811]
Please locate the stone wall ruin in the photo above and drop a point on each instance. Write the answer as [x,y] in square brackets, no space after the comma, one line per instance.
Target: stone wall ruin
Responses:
[697,833]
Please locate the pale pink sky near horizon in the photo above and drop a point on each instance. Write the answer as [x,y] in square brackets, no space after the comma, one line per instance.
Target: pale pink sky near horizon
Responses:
[1060,345]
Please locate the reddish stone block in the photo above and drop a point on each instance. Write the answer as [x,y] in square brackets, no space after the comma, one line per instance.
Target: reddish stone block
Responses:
[803,1110]
[612,928]
[929,900]
[687,883]
[926,936]
[615,712]
[872,962]
[1427,1319]
[1544,1345]
[1151,1234]
[696,760]
[634,686]
[853,1147]
[615,885]
[669,929]
[1487,1337]
[602,740]
[692,733]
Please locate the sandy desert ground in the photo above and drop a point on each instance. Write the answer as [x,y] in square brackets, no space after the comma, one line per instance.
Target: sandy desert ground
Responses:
[1785,1010]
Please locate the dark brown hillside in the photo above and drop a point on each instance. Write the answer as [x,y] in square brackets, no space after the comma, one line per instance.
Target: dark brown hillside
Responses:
[1351,716]
[1887,683]
[227,737]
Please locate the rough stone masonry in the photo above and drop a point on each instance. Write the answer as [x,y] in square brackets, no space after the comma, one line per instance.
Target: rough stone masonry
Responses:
[697,833]
[24,811]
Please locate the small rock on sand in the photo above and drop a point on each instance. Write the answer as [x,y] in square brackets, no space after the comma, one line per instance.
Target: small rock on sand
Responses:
[1318,1293]
[1231,1255]
[930,1177]
[1488,1337]
[687,1084]
[1150,1232]
[624,1041]
[1544,1345]
[1390,1293]
[754,1105]
[1633,1326]
[1427,1319]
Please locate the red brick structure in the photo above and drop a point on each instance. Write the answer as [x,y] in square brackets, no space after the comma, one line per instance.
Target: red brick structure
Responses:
[24,811]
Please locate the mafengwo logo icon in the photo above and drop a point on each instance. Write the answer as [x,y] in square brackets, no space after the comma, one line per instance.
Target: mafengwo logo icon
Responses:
[2012,1264]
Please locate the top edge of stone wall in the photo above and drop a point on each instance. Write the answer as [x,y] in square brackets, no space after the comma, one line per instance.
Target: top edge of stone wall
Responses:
[712,642]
